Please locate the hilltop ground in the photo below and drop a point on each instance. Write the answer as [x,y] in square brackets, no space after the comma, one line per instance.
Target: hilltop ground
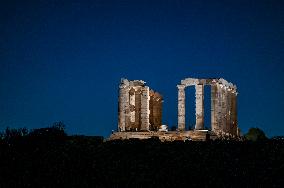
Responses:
[38,160]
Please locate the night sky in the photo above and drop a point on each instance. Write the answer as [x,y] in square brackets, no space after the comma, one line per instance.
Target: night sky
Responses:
[62,61]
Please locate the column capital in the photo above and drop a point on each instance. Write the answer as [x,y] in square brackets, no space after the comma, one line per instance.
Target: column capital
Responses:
[181,87]
[198,84]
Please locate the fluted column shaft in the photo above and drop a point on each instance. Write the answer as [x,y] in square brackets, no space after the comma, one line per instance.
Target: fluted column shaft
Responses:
[123,107]
[181,107]
[199,106]
[214,108]
[145,111]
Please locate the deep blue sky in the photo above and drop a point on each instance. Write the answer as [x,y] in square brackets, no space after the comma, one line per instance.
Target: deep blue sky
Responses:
[63,61]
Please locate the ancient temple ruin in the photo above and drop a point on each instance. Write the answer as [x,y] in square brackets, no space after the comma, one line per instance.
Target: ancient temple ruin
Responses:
[223,105]
[140,108]
[140,111]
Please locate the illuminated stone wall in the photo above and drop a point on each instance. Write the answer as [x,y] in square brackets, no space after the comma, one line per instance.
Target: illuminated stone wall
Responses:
[223,105]
[140,109]
[156,102]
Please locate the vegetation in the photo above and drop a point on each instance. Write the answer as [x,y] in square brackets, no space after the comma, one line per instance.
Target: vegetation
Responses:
[48,157]
[255,134]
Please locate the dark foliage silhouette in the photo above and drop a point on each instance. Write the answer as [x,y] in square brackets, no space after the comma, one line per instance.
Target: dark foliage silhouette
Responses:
[11,133]
[255,134]
[49,158]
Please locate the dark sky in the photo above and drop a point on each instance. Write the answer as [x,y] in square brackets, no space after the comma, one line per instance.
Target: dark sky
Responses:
[62,61]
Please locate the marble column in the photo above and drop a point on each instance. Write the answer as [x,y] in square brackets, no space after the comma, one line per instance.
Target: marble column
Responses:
[234,113]
[219,108]
[132,106]
[123,107]
[229,112]
[181,107]
[199,106]
[145,112]
[224,110]
[214,108]
[138,109]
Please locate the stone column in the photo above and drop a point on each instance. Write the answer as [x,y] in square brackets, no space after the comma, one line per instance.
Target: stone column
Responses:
[132,106]
[156,111]
[181,107]
[234,113]
[236,107]
[160,109]
[224,110]
[229,112]
[123,106]
[145,112]
[138,109]
[219,109]
[199,106]
[214,107]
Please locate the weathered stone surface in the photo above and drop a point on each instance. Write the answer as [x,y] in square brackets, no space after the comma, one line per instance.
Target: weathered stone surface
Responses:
[123,104]
[214,108]
[234,114]
[181,107]
[223,105]
[228,112]
[224,110]
[194,135]
[210,81]
[139,108]
[132,105]
[199,106]
[145,111]
[138,93]
[155,116]
[219,109]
